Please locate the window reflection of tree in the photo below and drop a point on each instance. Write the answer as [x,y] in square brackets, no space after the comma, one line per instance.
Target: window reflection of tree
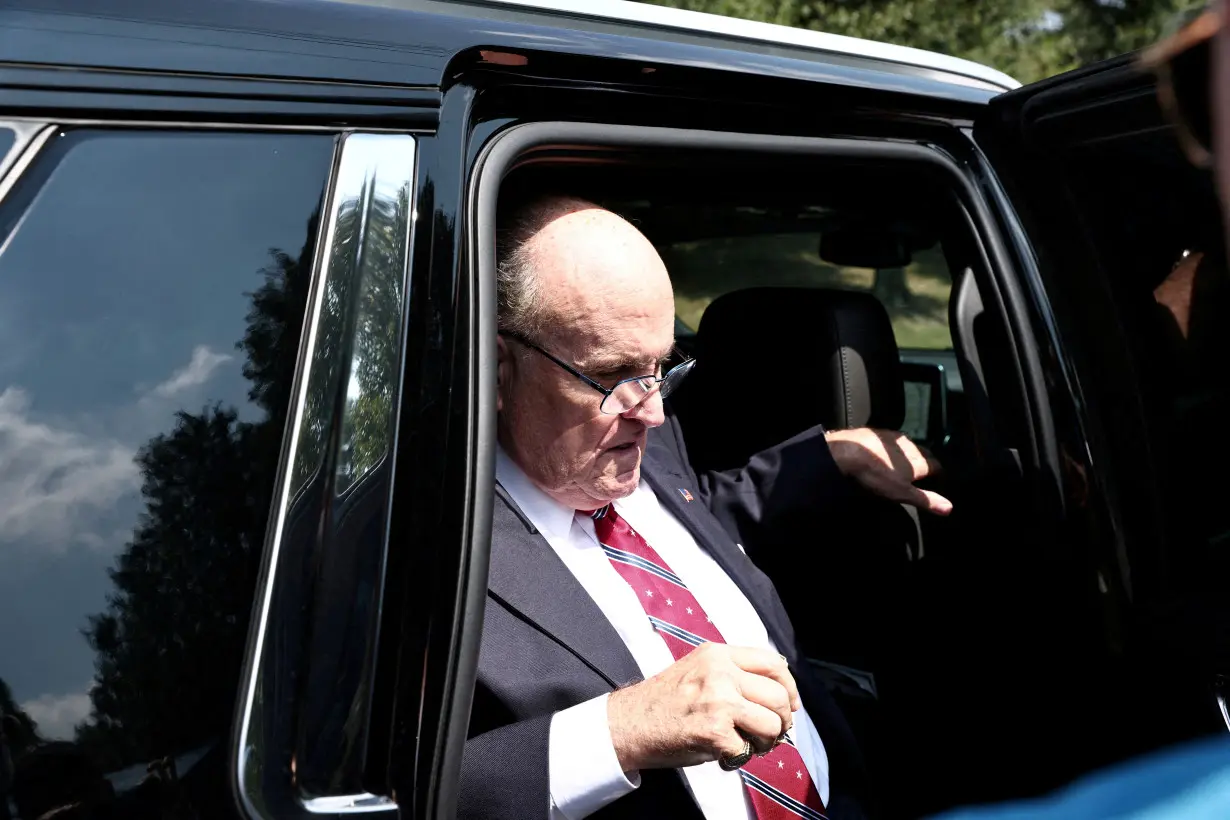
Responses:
[169,645]
[369,396]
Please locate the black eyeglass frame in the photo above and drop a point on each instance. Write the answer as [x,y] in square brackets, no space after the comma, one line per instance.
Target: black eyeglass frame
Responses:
[676,375]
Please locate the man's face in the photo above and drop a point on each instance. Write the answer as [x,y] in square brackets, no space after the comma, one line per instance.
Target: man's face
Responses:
[612,317]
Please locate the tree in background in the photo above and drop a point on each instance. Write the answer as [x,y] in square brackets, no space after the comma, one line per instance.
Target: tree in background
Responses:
[169,646]
[1028,39]
[18,729]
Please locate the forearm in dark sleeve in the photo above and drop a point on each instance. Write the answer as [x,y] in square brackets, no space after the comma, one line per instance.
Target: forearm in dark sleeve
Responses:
[795,476]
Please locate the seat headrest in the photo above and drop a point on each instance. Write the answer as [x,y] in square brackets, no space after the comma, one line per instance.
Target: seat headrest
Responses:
[775,361]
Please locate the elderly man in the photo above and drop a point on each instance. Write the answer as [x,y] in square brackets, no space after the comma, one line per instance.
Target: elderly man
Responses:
[634,662]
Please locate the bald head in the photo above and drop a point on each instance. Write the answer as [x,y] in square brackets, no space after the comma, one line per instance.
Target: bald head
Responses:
[585,286]
[563,259]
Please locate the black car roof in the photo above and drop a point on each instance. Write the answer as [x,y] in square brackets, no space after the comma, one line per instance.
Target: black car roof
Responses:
[409,43]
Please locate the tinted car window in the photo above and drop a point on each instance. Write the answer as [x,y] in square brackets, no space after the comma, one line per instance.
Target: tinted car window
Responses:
[7,138]
[916,296]
[152,292]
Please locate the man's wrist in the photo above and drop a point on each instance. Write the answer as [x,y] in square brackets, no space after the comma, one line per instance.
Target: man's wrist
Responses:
[847,455]
[621,741]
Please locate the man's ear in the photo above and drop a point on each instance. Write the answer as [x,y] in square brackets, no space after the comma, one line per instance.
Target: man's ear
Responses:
[503,370]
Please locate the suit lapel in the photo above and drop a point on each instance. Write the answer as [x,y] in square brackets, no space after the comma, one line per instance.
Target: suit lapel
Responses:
[528,577]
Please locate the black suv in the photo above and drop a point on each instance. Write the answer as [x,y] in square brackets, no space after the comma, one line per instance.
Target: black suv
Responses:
[246,383]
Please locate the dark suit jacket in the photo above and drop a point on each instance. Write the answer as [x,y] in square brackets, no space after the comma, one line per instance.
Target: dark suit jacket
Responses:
[547,646]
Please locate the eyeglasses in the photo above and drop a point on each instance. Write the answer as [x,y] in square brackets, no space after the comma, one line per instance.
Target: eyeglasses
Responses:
[1181,64]
[627,393]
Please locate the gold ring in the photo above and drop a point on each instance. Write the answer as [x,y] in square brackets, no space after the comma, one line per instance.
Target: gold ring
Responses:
[730,763]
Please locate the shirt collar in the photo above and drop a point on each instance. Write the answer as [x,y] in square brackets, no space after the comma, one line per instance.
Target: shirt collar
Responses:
[548,515]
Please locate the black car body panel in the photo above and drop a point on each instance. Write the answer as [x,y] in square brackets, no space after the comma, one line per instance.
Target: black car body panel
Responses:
[366,51]
[1066,520]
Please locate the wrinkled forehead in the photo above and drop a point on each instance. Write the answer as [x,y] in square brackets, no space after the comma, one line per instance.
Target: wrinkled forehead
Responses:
[606,326]
[606,344]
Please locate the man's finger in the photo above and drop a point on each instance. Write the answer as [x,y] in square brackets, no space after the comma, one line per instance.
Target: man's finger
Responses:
[932,502]
[933,464]
[770,665]
[759,725]
[937,504]
[927,500]
[922,462]
[768,693]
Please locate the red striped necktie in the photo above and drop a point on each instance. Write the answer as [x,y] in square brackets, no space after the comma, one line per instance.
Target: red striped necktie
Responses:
[779,784]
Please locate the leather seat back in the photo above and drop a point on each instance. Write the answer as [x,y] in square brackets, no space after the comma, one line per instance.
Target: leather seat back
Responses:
[773,362]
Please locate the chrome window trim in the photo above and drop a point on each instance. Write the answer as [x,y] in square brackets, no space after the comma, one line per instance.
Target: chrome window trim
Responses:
[356,150]
[24,132]
[31,137]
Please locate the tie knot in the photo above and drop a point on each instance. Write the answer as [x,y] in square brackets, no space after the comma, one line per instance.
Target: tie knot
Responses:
[600,512]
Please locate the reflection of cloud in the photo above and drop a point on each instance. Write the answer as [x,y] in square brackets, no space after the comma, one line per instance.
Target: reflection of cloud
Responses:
[53,478]
[204,362]
[55,716]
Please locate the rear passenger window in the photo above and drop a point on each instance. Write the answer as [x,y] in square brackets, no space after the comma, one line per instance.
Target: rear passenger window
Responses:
[152,293]
[916,295]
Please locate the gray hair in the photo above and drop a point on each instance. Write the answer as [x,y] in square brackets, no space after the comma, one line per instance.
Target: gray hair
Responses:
[518,289]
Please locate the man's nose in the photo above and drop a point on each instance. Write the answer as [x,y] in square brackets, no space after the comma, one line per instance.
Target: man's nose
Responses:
[650,412]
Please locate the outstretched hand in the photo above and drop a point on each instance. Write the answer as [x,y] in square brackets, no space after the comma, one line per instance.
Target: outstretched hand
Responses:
[887,463]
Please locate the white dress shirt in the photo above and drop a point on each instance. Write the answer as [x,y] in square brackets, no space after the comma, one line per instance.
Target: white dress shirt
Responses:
[585,774]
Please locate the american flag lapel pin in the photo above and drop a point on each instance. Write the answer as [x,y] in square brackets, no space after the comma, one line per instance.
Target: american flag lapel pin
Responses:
[687,496]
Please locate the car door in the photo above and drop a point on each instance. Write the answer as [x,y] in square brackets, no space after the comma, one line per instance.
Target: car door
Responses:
[203,326]
[1124,264]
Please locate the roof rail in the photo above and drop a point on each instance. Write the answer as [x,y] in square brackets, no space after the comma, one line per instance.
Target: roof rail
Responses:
[960,70]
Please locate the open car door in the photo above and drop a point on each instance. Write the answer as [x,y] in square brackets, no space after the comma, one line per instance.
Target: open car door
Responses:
[1124,258]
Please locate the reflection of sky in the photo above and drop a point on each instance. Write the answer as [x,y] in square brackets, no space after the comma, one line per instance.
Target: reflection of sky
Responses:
[390,159]
[122,295]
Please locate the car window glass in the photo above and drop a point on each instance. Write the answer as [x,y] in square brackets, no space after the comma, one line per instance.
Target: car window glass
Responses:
[915,296]
[7,138]
[152,293]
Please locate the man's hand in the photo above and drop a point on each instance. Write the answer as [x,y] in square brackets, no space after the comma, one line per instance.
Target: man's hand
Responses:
[888,464]
[692,711]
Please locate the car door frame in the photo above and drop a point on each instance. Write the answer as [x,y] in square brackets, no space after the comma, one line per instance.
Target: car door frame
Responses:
[1023,138]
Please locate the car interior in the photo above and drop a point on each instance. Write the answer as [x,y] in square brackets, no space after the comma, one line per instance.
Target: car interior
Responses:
[795,299]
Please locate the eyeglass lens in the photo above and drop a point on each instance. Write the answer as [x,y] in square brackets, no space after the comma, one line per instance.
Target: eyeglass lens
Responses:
[631,392]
